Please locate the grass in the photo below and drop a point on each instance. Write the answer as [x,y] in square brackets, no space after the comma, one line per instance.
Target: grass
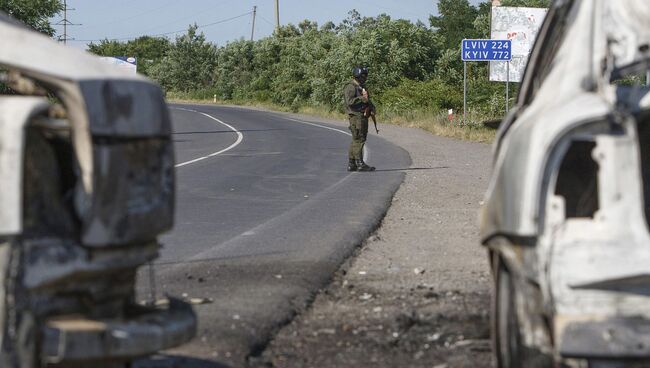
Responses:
[436,123]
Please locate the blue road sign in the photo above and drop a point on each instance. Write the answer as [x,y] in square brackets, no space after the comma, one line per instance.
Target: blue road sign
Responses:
[487,50]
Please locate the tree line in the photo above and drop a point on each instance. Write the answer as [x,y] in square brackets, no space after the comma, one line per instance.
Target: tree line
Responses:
[413,66]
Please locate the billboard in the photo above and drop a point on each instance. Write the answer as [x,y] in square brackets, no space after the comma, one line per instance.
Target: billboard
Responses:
[128,64]
[520,25]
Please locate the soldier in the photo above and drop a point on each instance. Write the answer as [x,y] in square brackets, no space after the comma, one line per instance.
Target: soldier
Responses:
[358,106]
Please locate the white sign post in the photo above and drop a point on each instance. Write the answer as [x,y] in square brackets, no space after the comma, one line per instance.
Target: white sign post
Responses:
[508,87]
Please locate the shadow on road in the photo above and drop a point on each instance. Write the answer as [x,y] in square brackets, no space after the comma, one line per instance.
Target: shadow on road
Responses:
[173,361]
[414,168]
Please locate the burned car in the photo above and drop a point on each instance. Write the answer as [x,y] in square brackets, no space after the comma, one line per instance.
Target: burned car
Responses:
[87,173]
[566,215]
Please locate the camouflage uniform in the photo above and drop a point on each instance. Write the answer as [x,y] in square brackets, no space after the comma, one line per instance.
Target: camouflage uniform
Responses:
[355,107]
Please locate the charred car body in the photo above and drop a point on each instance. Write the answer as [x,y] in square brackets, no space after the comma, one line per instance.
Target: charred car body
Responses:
[87,173]
[567,211]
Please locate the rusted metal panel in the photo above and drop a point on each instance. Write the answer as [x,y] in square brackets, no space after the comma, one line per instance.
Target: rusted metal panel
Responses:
[50,261]
[134,192]
[78,340]
[125,109]
[100,100]
[120,129]
[87,188]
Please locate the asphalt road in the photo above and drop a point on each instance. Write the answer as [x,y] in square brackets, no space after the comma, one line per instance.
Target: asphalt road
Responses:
[265,214]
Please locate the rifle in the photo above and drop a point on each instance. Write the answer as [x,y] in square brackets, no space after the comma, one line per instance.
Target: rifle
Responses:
[369,112]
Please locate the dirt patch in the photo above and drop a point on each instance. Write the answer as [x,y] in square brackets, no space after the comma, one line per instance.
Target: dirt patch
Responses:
[351,325]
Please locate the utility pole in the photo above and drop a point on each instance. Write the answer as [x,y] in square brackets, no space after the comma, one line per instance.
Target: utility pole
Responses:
[65,23]
[253,29]
[277,15]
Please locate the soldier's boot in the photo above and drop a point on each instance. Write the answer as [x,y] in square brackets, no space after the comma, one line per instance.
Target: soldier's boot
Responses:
[352,165]
[362,166]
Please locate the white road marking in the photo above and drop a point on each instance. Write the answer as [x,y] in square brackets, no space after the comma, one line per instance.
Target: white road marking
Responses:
[320,126]
[366,151]
[240,137]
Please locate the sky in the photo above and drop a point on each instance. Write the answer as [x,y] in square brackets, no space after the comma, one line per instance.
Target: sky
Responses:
[223,20]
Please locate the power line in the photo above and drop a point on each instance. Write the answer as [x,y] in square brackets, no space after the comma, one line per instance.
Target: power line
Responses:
[400,10]
[266,20]
[136,15]
[204,11]
[168,33]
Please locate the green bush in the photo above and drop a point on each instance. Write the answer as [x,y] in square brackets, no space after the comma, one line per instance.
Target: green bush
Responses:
[430,95]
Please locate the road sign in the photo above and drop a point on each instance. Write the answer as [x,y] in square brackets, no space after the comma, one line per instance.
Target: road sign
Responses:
[486,50]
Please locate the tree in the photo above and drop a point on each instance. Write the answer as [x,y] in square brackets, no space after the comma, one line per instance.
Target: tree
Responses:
[108,48]
[306,64]
[482,22]
[233,75]
[188,64]
[527,3]
[351,22]
[307,25]
[148,50]
[328,26]
[34,13]
[455,22]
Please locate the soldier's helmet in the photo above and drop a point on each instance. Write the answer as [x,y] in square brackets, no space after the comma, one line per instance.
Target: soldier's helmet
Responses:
[359,71]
